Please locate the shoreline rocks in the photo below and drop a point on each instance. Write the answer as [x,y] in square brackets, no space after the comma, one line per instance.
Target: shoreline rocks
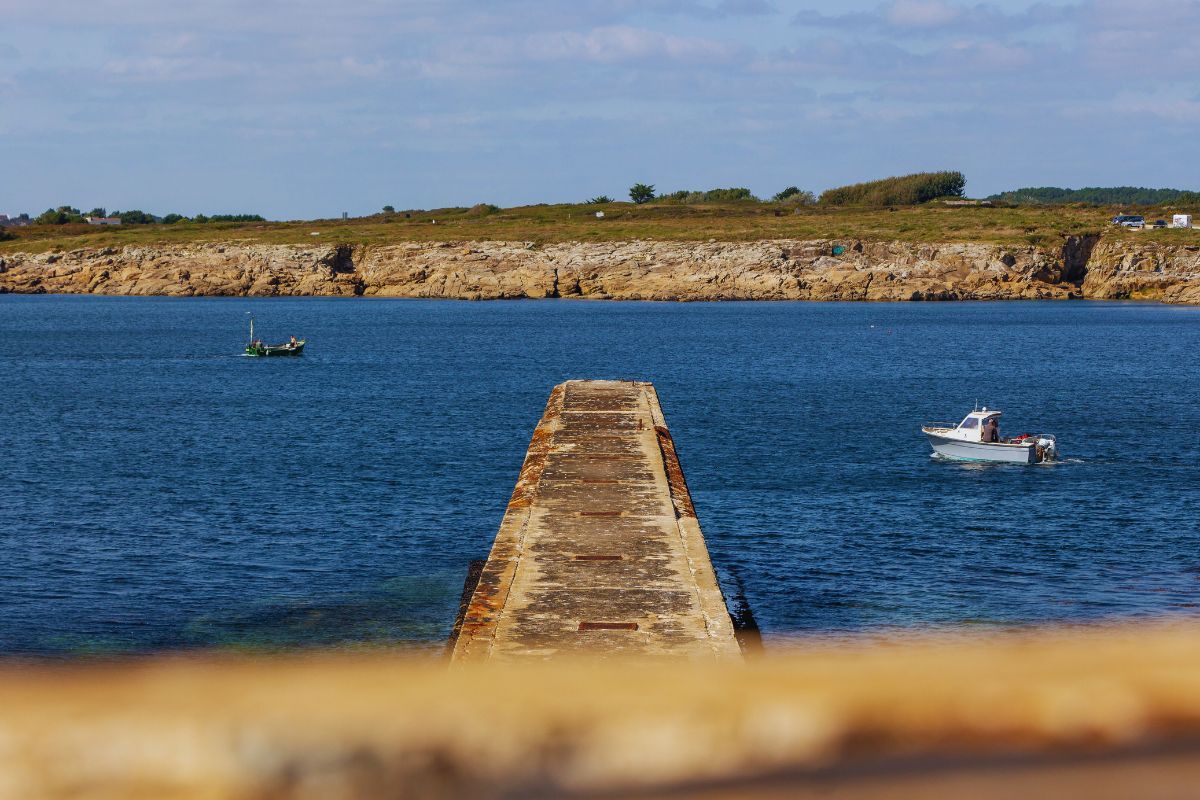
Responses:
[1125,270]
[781,269]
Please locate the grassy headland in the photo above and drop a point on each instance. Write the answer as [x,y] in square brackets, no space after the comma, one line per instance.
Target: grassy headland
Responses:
[931,222]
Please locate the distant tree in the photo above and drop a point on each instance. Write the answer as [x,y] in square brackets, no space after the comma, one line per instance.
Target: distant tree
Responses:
[97,212]
[598,200]
[1113,195]
[389,209]
[794,195]
[732,195]
[171,219]
[641,193]
[136,217]
[201,218]
[59,216]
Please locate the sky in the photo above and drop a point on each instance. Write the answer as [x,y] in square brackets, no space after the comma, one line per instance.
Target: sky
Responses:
[303,109]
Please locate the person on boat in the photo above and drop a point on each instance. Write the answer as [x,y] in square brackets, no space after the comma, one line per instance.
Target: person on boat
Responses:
[991,431]
[293,342]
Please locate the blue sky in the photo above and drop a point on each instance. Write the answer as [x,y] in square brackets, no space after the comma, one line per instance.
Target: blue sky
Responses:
[302,109]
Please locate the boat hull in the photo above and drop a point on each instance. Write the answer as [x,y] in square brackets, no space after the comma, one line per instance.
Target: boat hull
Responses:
[276,350]
[960,450]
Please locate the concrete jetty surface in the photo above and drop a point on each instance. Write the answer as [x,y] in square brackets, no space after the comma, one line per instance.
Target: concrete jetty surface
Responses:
[599,551]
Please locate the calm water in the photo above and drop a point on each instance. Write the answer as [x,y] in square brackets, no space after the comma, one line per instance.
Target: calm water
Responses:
[158,491]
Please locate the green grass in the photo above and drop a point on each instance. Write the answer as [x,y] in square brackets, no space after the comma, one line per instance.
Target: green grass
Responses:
[624,221]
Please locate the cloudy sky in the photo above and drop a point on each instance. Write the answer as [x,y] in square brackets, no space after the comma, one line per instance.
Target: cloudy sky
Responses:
[300,108]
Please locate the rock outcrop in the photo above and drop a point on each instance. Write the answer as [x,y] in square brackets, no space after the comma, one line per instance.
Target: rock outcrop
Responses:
[629,270]
[1124,269]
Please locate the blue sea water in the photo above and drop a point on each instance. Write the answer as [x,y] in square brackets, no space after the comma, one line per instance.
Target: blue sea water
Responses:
[160,492]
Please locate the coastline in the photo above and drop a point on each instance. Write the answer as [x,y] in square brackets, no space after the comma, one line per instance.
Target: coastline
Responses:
[1087,266]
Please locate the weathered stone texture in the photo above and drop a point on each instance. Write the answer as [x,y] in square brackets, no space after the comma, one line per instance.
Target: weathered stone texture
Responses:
[630,270]
[599,553]
[1121,269]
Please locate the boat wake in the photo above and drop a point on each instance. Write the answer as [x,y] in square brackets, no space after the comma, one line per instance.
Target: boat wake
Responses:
[988,464]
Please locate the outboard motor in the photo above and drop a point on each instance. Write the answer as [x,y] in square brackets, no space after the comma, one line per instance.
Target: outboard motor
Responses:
[1047,448]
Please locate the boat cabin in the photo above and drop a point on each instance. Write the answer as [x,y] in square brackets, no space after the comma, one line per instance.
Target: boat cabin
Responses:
[971,428]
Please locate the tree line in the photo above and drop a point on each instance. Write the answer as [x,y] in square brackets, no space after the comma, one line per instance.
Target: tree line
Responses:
[897,191]
[65,215]
[1098,195]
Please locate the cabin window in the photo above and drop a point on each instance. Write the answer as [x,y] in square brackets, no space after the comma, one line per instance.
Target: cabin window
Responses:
[970,423]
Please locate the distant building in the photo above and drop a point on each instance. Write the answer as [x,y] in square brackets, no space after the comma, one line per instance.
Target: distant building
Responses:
[13,222]
[103,220]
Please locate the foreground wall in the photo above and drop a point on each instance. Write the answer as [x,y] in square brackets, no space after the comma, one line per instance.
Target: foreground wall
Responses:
[1076,714]
[633,270]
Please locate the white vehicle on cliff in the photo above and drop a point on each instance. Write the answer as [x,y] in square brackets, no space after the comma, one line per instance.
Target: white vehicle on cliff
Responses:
[1129,221]
[977,438]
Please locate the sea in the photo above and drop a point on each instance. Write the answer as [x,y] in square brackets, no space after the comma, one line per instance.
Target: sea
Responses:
[160,492]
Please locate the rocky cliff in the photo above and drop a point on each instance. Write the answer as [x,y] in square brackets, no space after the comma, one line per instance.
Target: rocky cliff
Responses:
[631,270]
[1124,269]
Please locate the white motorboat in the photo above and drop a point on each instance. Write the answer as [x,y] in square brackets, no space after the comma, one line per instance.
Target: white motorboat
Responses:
[966,441]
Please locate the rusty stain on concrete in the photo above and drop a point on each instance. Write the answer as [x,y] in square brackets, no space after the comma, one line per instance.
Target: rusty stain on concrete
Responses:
[679,490]
[600,527]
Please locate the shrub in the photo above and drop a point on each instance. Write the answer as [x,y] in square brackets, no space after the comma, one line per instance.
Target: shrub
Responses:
[794,196]
[906,190]
[599,200]
[171,219]
[228,218]
[641,193]
[59,216]
[734,195]
[6,235]
[136,218]
[389,209]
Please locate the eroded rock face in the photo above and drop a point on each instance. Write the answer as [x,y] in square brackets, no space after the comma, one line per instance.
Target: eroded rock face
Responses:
[630,270]
[181,271]
[1123,269]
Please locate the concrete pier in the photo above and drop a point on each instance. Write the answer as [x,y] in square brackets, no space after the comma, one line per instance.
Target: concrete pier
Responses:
[599,551]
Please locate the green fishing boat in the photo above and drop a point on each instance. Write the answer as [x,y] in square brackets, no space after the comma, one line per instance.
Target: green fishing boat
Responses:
[257,347]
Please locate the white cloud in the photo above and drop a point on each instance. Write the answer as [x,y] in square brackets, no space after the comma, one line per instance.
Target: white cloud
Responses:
[171,69]
[922,13]
[619,44]
[460,77]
